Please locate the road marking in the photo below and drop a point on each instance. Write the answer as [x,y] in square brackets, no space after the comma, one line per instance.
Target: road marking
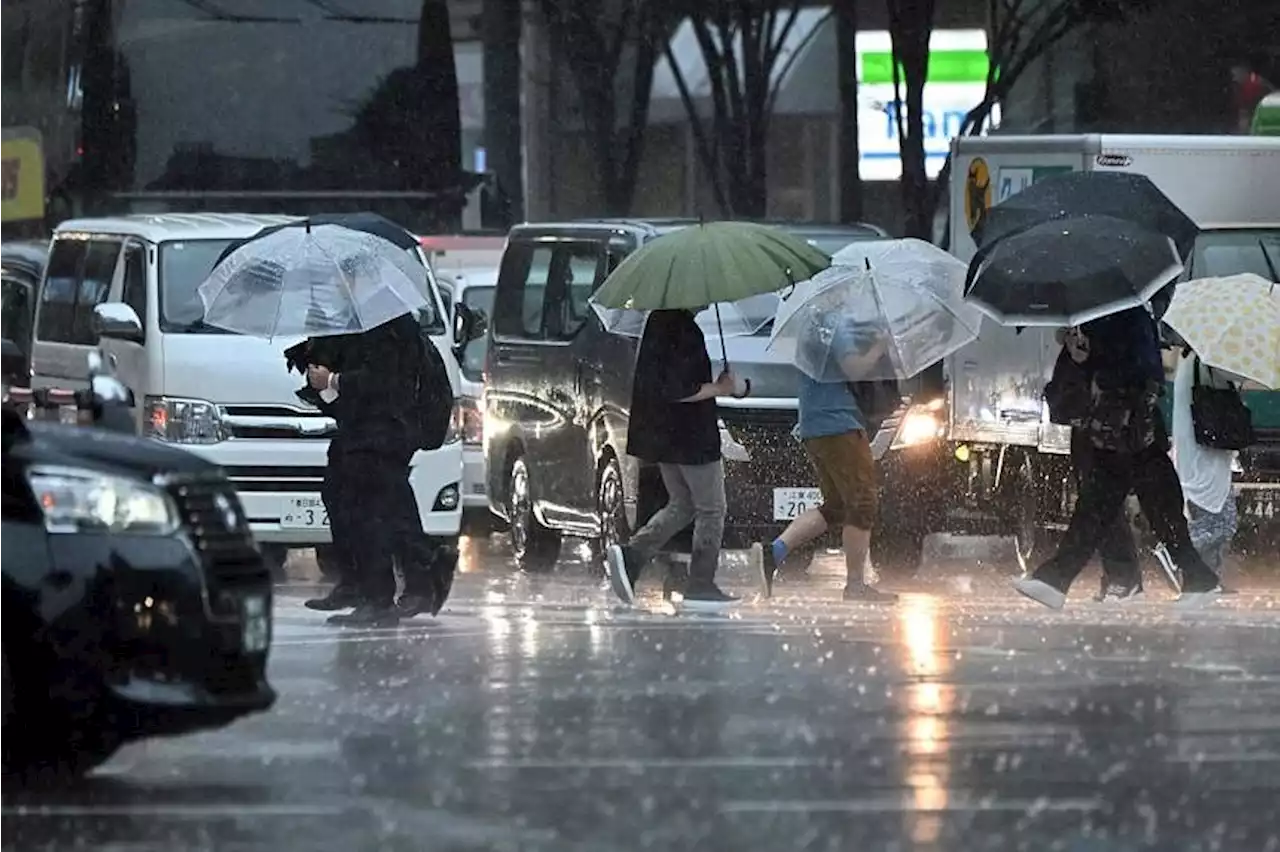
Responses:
[902,804]
[173,811]
[745,762]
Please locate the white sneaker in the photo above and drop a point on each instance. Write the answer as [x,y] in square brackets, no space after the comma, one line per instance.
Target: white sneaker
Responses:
[619,578]
[1195,600]
[1040,592]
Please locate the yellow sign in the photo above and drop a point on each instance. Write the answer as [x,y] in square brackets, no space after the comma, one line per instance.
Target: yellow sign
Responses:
[21,175]
[977,192]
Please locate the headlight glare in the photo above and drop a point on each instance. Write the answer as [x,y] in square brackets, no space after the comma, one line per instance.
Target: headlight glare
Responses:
[86,501]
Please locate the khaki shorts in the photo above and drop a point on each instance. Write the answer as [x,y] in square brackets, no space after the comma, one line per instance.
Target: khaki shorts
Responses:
[847,477]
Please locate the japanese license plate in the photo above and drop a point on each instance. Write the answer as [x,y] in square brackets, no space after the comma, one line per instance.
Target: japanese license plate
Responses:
[790,503]
[303,513]
[1261,504]
[255,624]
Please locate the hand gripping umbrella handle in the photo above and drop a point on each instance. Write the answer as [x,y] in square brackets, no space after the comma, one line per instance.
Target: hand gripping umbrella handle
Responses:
[746,390]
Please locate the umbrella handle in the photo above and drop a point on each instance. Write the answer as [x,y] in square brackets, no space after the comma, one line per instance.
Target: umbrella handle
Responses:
[746,390]
[724,350]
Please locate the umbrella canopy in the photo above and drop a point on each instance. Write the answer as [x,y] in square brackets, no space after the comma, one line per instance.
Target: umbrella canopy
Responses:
[900,310]
[1232,323]
[708,263]
[743,318]
[311,280]
[369,223]
[1121,195]
[1069,271]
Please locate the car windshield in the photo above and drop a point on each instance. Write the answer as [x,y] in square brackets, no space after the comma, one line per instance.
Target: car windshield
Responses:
[478,299]
[1222,253]
[185,264]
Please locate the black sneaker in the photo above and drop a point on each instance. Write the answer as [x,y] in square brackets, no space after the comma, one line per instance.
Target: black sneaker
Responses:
[862,593]
[367,615]
[1117,592]
[621,579]
[340,597]
[410,605]
[706,598]
[677,580]
[1041,592]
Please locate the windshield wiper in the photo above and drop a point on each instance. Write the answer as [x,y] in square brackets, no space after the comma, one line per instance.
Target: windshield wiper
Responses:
[1271,263]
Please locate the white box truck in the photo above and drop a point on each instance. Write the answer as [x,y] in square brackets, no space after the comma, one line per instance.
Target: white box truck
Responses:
[984,459]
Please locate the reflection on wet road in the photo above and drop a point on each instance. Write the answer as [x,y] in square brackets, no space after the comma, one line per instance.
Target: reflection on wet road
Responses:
[536,715]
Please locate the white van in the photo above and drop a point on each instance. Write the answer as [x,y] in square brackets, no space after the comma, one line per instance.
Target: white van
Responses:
[228,398]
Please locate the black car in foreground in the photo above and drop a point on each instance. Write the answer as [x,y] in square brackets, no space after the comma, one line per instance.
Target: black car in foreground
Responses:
[136,602]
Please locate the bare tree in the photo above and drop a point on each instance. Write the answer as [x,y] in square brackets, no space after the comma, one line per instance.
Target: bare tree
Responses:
[910,28]
[1021,32]
[745,46]
[610,49]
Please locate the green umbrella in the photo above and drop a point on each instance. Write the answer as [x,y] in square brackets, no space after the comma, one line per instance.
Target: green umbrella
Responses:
[698,266]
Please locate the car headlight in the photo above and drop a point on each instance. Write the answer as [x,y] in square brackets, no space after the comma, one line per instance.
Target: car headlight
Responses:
[471,421]
[454,432]
[920,425]
[76,500]
[183,421]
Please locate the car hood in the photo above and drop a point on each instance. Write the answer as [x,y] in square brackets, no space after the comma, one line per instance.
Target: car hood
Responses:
[771,375]
[109,452]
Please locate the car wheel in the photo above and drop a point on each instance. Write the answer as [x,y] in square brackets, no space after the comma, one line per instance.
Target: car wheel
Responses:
[535,547]
[611,507]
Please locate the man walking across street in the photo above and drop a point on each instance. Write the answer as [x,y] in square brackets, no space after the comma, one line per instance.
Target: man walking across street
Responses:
[673,424]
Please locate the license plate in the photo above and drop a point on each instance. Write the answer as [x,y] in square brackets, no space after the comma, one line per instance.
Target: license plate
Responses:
[303,513]
[255,624]
[1260,505]
[790,503]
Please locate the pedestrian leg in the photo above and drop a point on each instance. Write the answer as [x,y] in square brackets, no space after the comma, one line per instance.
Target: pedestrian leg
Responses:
[706,489]
[625,562]
[1099,502]
[374,537]
[345,593]
[1160,495]
[1121,571]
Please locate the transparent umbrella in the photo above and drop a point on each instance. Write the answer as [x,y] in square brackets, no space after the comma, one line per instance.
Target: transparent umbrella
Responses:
[313,281]
[900,310]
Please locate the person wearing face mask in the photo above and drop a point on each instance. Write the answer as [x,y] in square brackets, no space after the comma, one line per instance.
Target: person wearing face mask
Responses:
[673,424]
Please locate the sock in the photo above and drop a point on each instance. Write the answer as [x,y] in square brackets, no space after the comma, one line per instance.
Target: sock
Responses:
[779,548]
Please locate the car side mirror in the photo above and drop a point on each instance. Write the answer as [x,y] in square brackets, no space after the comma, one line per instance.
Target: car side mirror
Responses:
[118,321]
[112,400]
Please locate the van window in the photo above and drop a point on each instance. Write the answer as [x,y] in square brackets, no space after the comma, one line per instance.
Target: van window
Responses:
[519,309]
[134,293]
[579,268]
[95,283]
[58,294]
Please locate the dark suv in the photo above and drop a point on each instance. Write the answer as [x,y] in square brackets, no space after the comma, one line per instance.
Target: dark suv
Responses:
[558,389]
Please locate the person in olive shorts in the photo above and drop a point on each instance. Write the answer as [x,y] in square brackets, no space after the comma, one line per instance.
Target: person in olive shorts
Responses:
[834,435]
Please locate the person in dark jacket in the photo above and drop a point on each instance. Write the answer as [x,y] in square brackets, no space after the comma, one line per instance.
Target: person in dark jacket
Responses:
[1130,453]
[392,399]
[673,424]
[1121,570]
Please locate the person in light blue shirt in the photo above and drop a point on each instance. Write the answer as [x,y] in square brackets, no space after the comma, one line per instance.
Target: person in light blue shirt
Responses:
[834,436]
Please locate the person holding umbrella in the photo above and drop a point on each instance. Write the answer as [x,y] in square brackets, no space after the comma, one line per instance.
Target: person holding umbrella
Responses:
[673,420]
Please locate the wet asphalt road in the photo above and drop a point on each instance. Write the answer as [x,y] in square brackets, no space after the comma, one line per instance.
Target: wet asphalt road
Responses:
[535,714]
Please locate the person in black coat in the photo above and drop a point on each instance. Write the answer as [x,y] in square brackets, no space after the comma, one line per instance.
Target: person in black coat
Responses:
[393,398]
[1125,377]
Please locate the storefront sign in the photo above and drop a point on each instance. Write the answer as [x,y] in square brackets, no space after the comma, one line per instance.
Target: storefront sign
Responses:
[957,82]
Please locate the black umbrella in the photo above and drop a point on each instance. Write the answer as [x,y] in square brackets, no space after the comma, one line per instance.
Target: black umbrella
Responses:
[370,223]
[1122,195]
[1069,271]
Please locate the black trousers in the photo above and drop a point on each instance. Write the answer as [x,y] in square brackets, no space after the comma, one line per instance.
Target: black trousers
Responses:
[1116,546]
[1113,475]
[374,521]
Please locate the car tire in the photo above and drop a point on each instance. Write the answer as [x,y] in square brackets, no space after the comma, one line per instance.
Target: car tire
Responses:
[611,508]
[535,547]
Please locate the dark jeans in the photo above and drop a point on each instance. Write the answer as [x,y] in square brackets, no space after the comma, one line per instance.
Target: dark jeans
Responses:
[1151,475]
[1116,546]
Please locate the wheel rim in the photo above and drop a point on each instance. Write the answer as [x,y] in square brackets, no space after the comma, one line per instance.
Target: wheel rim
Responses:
[611,508]
[521,510]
